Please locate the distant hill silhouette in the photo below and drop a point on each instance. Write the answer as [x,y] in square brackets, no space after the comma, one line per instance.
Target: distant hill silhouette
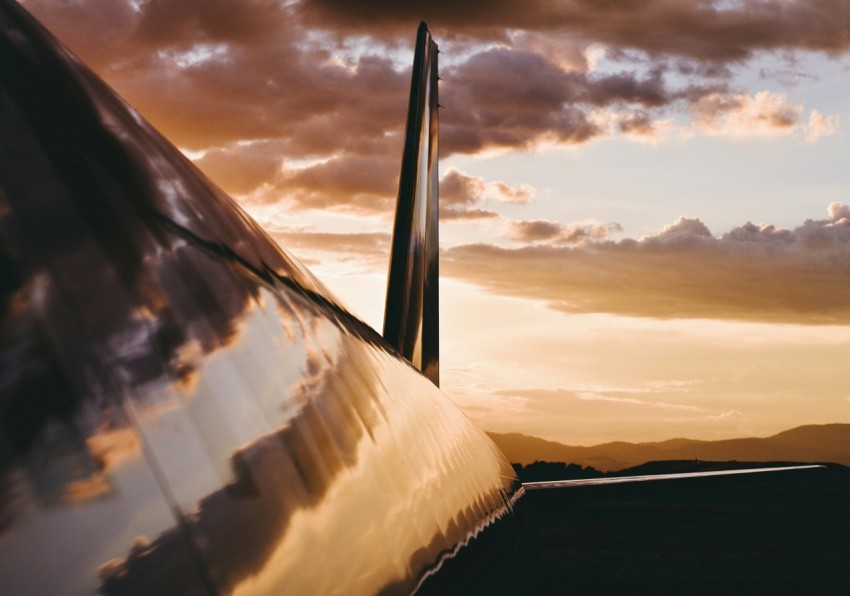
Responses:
[810,443]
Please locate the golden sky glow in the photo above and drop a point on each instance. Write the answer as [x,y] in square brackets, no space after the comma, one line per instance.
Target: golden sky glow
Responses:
[646,231]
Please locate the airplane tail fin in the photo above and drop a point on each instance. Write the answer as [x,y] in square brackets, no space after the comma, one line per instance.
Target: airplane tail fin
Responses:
[411,316]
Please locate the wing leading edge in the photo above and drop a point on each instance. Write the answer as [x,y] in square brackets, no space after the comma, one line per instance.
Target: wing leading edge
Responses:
[552,484]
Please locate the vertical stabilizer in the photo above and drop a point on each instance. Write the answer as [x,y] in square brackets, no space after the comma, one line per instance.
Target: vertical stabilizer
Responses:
[411,316]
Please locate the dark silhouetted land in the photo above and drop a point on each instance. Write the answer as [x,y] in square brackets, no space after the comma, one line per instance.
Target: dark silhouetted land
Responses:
[812,443]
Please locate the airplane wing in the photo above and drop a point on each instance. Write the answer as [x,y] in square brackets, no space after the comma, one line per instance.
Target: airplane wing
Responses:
[612,480]
[184,407]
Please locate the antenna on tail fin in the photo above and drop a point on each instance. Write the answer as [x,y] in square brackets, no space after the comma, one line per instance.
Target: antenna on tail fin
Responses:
[411,316]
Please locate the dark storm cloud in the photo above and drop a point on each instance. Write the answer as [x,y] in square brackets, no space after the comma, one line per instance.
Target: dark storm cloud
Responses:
[515,98]
[626,87]
[256,93]
[754,272]
[504,98]
[187,21]
[698,29]
[255,85]
[212,74]
[209,78]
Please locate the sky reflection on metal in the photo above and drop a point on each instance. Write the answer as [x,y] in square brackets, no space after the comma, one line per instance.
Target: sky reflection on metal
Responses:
[184,408]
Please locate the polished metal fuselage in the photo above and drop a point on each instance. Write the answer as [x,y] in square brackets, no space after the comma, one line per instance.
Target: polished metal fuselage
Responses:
[183,407]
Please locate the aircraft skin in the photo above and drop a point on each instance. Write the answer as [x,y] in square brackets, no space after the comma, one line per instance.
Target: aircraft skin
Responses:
[184,408]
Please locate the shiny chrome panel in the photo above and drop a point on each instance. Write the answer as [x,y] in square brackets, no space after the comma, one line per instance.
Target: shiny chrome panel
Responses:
[183,407]
[411,315]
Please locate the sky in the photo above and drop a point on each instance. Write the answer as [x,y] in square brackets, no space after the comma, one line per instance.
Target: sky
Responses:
[645,206]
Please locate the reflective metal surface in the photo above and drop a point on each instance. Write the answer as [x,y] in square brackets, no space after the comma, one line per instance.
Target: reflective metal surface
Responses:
[411,316]
[183,407]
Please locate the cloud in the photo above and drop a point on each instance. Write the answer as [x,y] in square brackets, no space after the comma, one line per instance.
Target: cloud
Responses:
[459,190]
[367,249]
[242,168]
[568,400]
[289,93]
[188,21]
[262,88]
[627,88]
[740,115]
[786,76]
[719,112]
[100,31]
[213,75]
[821,126]
[752,273]
[637,123]
[461,195]
[576,415]
[365,184]
[507,98]
[838,212]
[514,98]
[684,232]
[559,51]
[555,233]
[210,76]
[531,231]
[703,30]
[467,214]
[523,193]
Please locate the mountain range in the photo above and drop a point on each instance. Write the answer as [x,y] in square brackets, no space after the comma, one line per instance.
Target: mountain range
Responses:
[810,443]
